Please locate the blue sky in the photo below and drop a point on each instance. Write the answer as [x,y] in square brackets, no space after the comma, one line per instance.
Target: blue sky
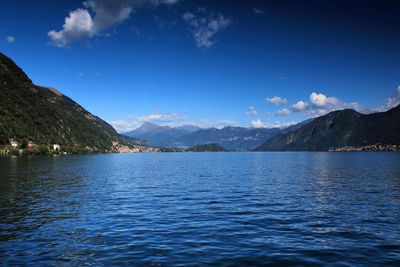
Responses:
[209,63]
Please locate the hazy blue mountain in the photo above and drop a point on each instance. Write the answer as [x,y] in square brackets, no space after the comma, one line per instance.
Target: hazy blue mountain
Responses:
[156,134]
[340,129]
[230,138]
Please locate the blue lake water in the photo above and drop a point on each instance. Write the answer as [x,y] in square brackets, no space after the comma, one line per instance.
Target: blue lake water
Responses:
[208,209]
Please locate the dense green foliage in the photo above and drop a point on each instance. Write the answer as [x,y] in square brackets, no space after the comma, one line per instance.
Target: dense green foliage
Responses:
[339,129]
[207,148]
[45,116]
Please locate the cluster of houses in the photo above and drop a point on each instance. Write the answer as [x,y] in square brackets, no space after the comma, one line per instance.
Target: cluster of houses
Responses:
[15,145]
[375,147]
[55,148]
[133,149]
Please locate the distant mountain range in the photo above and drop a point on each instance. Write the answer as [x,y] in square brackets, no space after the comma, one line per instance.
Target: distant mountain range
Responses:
[157,135]
[230,138]
[338,129]
[43,115]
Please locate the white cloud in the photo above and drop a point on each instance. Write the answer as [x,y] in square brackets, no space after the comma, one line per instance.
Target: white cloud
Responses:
[258,11]
[80,24]
[394,100]
[173,119]
[257,124]
[77,25]
[123,126]
[161,118]
[276,100]
[281,125]
[283,112]
[205,26]
[321,104]
[320,100]
[10,39]
[252,111]
[205,123]
[299,106]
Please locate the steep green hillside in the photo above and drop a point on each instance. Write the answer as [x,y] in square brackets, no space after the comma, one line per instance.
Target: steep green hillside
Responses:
[45,116]
[340,129]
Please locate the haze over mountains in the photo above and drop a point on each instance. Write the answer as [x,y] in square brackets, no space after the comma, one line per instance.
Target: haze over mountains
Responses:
[230,138]
[45,116]
[156,135]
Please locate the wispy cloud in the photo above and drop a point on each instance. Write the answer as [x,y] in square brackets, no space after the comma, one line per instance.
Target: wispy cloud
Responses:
[258,11]
[80,75]
[10,39]
[205,26]
[161,118]
[277,124]
[283,112]
[392,101]
[281,125]
[81,25]
[252,111]
[276,100]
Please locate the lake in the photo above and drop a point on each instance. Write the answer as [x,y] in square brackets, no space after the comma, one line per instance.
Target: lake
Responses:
[208,209]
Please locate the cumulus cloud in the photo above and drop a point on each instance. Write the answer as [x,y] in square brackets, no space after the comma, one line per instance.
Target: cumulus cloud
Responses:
[205,26]
[283,112]
[80,24]
[172,119]
[257,124]
[299,106]
[77,25]
[276,100]
[10,39]
[320,104]
[320,100]
[252,111]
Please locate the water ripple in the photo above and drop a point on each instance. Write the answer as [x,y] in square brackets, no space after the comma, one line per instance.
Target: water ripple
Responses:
[201,209]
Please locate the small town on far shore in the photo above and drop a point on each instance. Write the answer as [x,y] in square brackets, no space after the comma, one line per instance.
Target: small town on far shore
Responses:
[27,147]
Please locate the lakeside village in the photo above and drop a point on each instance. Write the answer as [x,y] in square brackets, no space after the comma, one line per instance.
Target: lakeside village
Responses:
[376,147]
[29,148]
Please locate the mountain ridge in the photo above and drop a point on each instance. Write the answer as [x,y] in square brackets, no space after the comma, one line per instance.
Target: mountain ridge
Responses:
[43,115]
[338,129]
[156,134]
[229,137]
